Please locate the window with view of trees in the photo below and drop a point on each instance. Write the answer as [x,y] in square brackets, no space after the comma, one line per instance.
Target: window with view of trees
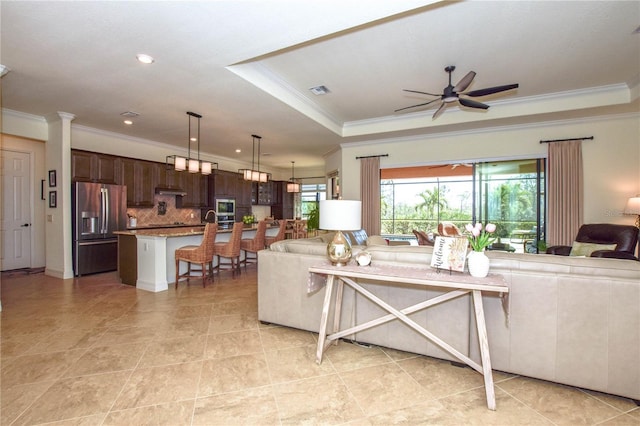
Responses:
[507,193]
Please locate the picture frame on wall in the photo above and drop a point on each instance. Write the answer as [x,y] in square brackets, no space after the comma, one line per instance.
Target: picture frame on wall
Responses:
[52,178]
[53,199]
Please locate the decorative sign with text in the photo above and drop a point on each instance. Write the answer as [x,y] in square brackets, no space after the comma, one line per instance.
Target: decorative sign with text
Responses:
[450,253]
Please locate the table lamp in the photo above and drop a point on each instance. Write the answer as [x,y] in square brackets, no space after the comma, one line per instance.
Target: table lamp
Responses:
[340,215]
[633,208]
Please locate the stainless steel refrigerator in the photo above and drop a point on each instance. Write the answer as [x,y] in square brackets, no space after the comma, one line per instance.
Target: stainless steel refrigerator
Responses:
[98,210]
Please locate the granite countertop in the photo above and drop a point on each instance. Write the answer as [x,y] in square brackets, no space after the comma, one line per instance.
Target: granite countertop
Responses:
[164,225]
[175,231]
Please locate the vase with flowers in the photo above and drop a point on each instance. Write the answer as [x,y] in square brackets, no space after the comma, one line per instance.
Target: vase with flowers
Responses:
[479,239]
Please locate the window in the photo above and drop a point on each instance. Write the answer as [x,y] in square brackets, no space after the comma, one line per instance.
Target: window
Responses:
[310,196]
[507,193]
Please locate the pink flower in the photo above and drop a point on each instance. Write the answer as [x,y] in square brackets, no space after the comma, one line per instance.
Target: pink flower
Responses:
[478,226]
[468,227]
[491,228]
[475,231]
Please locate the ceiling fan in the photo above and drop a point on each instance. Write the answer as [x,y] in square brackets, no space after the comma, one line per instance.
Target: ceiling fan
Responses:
[453,93]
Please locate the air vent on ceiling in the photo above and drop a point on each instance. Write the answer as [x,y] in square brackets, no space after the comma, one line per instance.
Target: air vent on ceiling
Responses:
[129,114]
[319,90]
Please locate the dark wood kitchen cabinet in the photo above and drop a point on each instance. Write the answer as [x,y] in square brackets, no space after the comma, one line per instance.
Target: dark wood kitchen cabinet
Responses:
[261,193]
[196,189]
[222,184]
[139,177]
[282,201]
[94,167]
[168,177]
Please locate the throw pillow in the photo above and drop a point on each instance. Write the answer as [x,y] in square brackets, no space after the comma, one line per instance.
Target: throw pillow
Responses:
[585,249]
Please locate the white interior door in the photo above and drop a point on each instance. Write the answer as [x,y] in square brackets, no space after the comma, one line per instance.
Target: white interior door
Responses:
[15,223]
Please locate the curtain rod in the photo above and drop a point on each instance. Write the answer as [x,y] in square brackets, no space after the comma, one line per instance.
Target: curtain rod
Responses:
[567,140]
[372,156]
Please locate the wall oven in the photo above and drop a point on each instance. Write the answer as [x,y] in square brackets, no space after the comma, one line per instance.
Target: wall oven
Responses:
[226,212]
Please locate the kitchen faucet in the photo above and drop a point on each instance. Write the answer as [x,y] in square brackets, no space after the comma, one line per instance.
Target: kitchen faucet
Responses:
[215,215]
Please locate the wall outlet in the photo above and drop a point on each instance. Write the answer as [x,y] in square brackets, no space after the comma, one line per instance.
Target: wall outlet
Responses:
[49,218]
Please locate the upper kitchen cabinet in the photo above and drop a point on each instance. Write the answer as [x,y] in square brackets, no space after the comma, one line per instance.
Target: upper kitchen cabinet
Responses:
[243,197]
[139,177]
[168,177]
[196,189]
[94,167]
[262,193]
[222,184]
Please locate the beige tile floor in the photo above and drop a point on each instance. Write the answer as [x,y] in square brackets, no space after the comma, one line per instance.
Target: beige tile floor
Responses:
[93,352]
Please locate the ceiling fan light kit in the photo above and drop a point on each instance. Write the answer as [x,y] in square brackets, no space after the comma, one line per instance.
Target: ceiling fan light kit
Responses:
[453,93]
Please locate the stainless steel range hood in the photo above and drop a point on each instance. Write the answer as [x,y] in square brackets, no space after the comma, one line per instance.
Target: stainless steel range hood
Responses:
[160,190]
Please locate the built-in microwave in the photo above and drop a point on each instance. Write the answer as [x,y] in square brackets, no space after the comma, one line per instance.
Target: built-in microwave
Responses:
[225,212]
[226,206]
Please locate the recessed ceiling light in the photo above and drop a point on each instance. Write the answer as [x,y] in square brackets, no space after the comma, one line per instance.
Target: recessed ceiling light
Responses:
[238,150]
[319,90]
[129,114]
[144,58]
[128,122]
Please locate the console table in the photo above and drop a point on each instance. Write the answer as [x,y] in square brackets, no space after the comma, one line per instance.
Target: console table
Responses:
[457,283]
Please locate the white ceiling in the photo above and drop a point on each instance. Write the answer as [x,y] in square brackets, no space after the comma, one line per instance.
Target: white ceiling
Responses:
[246,66]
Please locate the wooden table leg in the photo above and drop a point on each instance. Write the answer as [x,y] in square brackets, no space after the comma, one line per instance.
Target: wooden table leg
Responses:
[337,309]
[484,350]
[322,335]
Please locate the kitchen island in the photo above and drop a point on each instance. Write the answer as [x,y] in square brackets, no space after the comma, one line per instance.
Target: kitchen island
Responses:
[146,257]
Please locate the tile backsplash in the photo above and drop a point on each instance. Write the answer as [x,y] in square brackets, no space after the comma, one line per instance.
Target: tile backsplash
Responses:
[150,216]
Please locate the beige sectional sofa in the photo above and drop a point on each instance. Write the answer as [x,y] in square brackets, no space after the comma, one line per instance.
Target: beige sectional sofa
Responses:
[569,320]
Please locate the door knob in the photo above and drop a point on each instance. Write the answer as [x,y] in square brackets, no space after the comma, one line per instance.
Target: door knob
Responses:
[25,225]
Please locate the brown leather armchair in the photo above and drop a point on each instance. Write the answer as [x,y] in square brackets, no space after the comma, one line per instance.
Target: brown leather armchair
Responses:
[625,237]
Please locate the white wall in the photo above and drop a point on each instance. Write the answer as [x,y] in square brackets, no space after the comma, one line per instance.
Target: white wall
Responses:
[611,160]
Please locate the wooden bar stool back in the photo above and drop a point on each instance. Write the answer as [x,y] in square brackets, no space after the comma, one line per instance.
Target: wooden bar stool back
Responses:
[254,245]
[229,250]
[201,255]
[268,240]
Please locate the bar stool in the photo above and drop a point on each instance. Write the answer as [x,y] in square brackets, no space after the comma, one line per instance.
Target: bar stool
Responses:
[268,240]
[200,255]
[253,245]
[300,229]
[230,250]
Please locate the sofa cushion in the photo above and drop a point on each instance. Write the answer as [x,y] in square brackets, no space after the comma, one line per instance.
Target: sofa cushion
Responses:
[376,240]
[585,249]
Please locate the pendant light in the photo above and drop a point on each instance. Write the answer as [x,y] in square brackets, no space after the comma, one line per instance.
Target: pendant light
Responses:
[193,165]
[292,185]
[253,174]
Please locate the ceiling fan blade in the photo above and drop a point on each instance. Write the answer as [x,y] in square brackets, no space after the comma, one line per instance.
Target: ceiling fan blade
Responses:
[491,90]
[423,93]
[465,82]
[472,104]
[419,105]
[439,111]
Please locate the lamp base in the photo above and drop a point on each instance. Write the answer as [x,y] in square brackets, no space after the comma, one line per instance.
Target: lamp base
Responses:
[339,250]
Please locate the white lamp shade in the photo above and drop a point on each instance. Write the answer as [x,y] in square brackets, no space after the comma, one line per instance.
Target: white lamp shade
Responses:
[633,205]
[340,215]
[263,177]
[293,187]
[206,168]
[180,163]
